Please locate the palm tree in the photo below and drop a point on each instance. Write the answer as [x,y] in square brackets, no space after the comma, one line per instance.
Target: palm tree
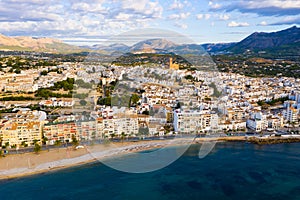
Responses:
[75,142]
[35,141]
[123,135]
[37,148]
[45,140]
[112,136]
[6,145]
[24,144]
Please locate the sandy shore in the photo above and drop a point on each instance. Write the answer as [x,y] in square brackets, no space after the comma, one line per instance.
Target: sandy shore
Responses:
[26,164]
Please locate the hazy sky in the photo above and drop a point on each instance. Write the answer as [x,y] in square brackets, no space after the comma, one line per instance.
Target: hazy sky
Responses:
[82,21]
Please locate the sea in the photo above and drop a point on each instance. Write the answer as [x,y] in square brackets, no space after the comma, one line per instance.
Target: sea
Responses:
[232,170]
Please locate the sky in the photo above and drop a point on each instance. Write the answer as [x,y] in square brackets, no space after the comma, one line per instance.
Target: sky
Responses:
[84,22]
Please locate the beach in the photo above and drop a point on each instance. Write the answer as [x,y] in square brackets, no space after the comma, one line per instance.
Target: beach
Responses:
[25,164]
[19,165]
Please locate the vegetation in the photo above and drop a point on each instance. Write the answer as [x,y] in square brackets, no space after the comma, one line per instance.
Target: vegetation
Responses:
[253,66]
[44,140]
[37,148]
[16,98]
[123,135]
[18,63]
[66,85]
[82,102]
[216,93]
[267,104]
[75,142]
[46,93]
[104,101]
[134,99]
[24,144]
[148,59]
[57,143]
[81,84]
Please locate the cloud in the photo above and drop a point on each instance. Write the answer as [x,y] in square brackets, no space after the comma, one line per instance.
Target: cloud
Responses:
[260,7]
[224,17]
[179,16]
[237,24]
[237,33]
[290,20]
[203,16]
[214,5]
[143,7]
[176,5]
[181,25]
[263,23]
[76,17]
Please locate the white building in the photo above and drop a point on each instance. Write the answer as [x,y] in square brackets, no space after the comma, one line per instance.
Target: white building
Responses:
[194,121]
[290,114]
[257,122]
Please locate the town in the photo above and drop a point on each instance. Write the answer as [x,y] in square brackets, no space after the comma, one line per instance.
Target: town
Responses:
[55,103]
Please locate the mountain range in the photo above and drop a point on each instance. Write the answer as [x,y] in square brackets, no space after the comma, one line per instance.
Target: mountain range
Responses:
[22,43]
[284,42]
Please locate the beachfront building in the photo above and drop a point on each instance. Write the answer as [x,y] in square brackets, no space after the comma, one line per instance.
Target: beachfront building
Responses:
[232,125]
[126,124]
[25,129]
[87,130]
[60,132]
[117,122]
[290,114]
[194,121]
[275,122]
[257,122]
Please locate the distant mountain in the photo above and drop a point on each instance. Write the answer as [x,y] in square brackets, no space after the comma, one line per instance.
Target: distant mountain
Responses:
[217,47]
[158,44]
[282,41]
[23,43]
[111,48]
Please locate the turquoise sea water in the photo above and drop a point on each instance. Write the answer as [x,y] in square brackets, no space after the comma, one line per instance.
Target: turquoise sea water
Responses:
[231,171]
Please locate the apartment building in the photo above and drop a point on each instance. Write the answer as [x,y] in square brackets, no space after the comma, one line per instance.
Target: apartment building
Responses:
[194,121]
[24,129]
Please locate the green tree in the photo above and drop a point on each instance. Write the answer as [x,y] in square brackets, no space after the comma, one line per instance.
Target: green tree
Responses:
[24,144]
[35,141]
[44,140]
[6,145]
[123,135]
[112,135]
[75,142]
[134,99]
[37,148]
[44,73]
[145,112]
[57,143]
[83,102]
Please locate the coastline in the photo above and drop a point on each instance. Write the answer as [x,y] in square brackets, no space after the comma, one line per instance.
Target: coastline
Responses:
[22,165]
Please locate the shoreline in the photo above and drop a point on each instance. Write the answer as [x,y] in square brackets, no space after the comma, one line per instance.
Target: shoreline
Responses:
[22,165]
[27,164]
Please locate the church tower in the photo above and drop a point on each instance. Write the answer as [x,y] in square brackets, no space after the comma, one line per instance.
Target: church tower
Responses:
[173,65]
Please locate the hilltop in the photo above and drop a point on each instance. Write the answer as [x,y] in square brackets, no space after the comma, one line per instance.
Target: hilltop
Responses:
[23,43]
[284,42]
